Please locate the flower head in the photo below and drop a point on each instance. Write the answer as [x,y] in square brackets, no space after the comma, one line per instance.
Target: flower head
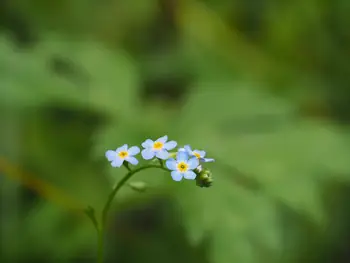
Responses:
[158,148]
[183,166]
[197,153]
[204,177]
[122,154]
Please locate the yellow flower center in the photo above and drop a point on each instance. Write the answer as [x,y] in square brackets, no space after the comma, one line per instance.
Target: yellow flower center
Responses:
[158,145]
[197,155]
[182,167]
[123,154]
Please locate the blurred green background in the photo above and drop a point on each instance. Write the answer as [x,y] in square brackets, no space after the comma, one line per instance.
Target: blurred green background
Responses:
[262,86]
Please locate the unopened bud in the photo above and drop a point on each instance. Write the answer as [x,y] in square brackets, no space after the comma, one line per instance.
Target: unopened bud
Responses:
[204,177]
[138,186]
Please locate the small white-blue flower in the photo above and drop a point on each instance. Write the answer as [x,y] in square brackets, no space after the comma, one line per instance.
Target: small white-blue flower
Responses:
[197,153]
[158,148]
[182,167]
[122,154]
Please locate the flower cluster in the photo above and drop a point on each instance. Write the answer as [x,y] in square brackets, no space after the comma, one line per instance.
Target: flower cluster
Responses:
[183,163]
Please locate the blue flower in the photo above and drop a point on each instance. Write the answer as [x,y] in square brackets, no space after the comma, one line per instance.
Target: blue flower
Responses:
[122,154]
[182,166]
[197,153]
[158,148]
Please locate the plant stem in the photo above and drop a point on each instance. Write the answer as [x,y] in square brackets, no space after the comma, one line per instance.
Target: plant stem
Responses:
[161,163]
[109,203]
[100,245]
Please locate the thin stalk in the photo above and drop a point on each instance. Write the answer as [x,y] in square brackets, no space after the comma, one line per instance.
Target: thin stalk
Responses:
[108,204]
[100,245]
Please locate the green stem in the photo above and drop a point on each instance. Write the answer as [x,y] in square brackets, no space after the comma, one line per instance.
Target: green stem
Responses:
[120,184]
[127,166]
[109,203]
[100,245]
[161,163]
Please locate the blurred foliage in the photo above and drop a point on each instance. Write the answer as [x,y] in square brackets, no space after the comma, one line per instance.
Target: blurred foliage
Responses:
[262,86]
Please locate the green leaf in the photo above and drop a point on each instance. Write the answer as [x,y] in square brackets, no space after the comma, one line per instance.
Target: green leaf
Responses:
[53,230]
[58,69]
[254,135]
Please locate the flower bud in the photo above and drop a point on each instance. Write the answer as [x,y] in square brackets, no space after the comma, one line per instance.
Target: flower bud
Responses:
[204,177]
[172,154]
[138,186]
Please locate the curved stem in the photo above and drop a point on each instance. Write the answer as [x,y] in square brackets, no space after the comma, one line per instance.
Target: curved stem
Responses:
[120,184]
[109,203]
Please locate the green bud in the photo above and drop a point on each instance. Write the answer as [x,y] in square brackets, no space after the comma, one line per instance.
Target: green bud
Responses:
[172,154]
[204,177]
[138,186]
[154,161]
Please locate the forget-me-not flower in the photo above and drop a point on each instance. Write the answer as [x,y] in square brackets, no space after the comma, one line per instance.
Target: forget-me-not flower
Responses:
[183,166]
[158,148]
[197,153]
[122,154]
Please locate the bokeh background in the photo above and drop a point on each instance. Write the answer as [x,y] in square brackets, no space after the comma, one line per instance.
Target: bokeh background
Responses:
[262,86]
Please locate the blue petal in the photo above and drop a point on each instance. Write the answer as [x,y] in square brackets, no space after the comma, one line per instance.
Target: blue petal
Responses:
[147,143]
[123,148]
[148,154]
[110,155]
[171,164]
[193,163]
[182,156]
[199,168]
[190,175]
[181,150]
[162,139]
[170,145]
[132,160]
[117,162]
[207,160]
[201,153]
[176,176]
[162,154]
[134,150]
[188,149]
